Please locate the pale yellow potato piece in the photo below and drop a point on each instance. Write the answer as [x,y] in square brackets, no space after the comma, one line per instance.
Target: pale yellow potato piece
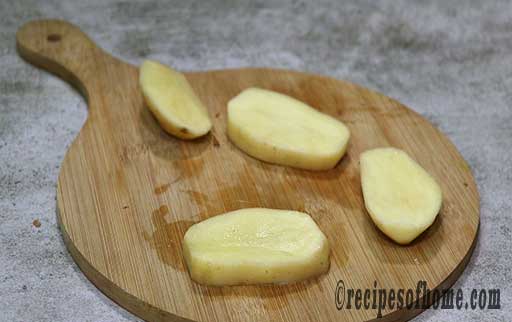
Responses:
[280,129]
[172,101]
[255,246]
[402,199]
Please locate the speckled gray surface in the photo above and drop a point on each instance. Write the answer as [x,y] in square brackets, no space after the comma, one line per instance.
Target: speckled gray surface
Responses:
[449,60]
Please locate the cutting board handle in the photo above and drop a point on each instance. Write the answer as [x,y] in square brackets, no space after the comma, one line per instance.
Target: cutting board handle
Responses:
[62,49]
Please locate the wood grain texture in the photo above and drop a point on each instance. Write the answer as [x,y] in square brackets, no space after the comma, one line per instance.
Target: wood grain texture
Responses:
[127,191]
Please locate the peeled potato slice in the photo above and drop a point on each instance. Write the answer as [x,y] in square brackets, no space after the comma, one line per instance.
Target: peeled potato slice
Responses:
[401,197]
[172,100]
[279,129]
[255,245]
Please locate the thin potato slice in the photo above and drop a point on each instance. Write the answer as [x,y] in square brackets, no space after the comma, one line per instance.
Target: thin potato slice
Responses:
[255,245]
[280,129]
[401,197]
[172,100]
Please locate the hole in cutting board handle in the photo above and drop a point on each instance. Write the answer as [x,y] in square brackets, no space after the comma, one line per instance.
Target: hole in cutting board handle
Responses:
[54,37]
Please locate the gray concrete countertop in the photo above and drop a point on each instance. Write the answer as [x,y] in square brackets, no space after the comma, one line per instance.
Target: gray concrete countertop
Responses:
[451,61]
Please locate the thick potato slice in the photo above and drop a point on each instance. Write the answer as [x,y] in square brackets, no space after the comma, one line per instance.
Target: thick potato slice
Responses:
[173,101]
[255,245]
[401,197]
[279,129]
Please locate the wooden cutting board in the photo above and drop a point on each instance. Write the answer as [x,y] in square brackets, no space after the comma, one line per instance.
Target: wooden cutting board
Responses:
[127,191]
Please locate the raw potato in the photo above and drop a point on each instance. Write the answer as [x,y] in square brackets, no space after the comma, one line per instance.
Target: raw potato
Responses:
[401,197]
[255,245]
[279,129]
[173,101]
